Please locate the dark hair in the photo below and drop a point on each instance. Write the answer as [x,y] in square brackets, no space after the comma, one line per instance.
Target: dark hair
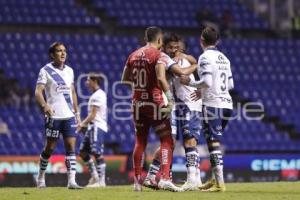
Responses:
[184,43]
[95,77]
[151,33]
[170,37]
[210,35]
[53,47]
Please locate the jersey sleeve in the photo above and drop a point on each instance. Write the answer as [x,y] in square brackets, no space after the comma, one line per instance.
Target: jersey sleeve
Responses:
[204,66]
[98,100]
[230,79]
[166,61]
[42,78]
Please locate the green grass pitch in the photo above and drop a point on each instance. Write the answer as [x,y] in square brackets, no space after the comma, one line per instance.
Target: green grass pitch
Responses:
[235,191]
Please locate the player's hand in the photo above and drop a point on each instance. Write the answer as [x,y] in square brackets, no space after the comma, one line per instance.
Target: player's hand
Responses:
[185,80]
[48,110]
[165,111]
[196,95]
[81,128]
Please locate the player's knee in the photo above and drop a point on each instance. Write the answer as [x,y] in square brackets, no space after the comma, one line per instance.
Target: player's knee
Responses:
[213,144]
[191,142]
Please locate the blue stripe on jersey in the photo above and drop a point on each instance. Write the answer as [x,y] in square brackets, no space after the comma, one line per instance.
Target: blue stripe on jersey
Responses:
[60,81]
[205,73]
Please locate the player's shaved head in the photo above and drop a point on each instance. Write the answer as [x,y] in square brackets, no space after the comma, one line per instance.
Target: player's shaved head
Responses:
[152,33]
[210,36]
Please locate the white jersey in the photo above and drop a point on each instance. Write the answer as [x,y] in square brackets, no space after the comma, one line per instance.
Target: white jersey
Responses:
[215,63]
[58,89]
[99,100]
[183,92]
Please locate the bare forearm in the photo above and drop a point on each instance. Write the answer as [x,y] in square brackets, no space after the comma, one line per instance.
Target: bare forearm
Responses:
[204,82]
[75,101]
[88,119]
[191,59]
[40,98]
[183,71]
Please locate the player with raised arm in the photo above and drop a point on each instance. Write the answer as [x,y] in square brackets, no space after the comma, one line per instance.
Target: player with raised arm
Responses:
[146,70]
[186,114]
[94,126]
[60,109]
[215,83]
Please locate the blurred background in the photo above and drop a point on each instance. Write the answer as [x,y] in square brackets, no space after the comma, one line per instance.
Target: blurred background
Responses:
[260,37]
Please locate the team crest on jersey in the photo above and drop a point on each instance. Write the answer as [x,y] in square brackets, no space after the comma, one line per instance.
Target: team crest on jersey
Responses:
[220,57]
[221,60]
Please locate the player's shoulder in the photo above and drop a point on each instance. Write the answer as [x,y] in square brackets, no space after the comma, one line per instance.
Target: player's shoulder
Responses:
[223,56]
[46,66]
[163,54]
[99,93]
[204,57]
[68,68]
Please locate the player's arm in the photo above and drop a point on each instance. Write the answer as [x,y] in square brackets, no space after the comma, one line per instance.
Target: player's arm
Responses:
[160,70]
[41,100]
[91,116]
[177,70]
[75,104]
[189,58]
[230,81]
[205,72]
[126,75]
[204,82]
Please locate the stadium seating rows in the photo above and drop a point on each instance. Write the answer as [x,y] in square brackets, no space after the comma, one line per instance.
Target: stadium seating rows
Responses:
[135,13]
[263,71]
[45,12]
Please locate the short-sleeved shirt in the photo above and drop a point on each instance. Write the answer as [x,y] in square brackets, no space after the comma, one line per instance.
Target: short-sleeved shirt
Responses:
[141,64]
[99,100]
[58,89]
[183,92]
[214,63]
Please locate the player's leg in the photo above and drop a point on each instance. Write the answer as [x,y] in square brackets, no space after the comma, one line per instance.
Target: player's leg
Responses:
[154,168]
[163,130]
[44,157]
[85,154]
[213,133]
[69,136]
[52,135]
[191,127]
[98,150]
[141,136]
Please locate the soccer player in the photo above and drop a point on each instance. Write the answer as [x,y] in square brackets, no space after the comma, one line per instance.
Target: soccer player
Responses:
[96,124]
[215,83]
[60,109]
[146,70]
[186,114]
